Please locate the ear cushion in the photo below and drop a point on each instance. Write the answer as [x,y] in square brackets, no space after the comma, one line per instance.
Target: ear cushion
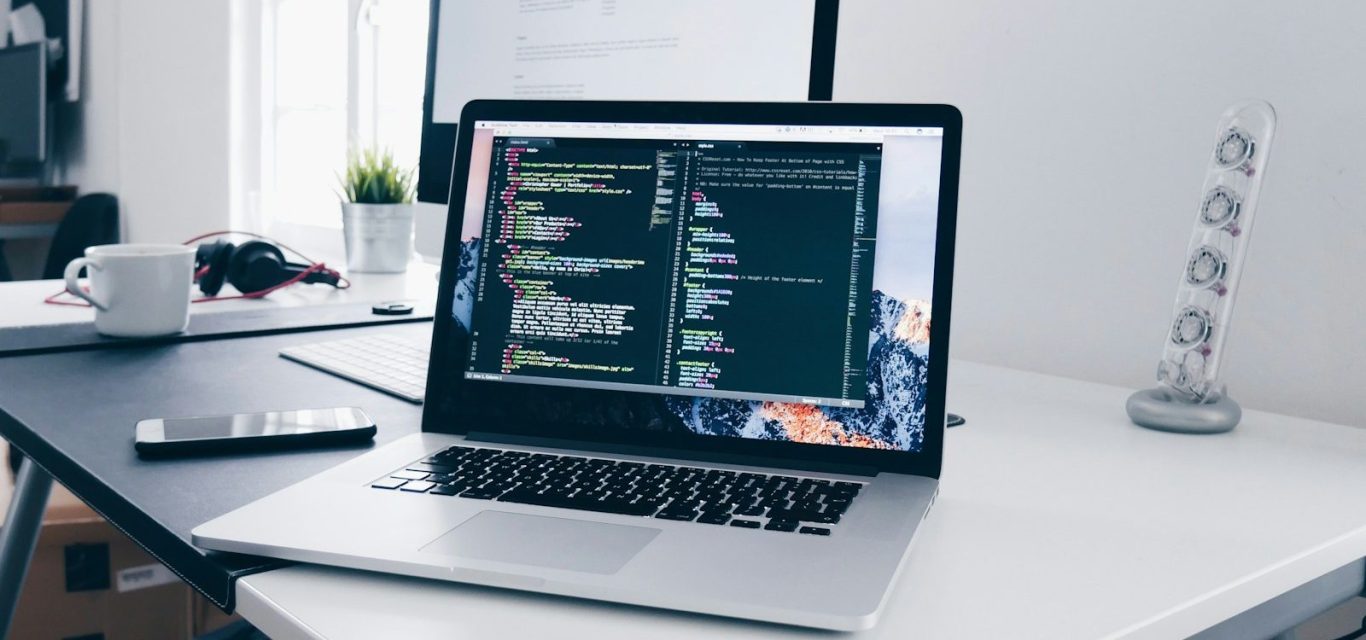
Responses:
[256,266]
[213,255]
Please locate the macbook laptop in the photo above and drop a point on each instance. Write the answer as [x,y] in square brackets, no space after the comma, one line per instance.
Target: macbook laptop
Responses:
[688,355]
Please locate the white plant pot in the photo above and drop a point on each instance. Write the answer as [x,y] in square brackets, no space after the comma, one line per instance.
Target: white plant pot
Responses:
[379,237]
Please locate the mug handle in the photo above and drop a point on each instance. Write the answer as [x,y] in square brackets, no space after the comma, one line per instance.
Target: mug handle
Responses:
[73,271]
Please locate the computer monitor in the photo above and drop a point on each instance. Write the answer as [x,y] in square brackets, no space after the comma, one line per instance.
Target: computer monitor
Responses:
[23,107]
[606,49]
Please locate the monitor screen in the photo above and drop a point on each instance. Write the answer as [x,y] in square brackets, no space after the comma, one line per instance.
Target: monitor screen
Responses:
[767,282]
[610,50]
[768,50]
[23,76]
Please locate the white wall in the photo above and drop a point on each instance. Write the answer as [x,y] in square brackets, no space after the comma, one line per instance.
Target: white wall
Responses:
[1087,128]
[153,125]
[87,132]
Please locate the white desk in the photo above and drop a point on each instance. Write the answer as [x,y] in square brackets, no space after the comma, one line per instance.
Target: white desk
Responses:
[1057,519]
[21,303]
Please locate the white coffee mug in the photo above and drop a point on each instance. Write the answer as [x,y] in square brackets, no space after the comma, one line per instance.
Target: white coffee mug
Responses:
[138,290]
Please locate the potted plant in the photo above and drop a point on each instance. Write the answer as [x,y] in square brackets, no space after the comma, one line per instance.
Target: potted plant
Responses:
[377,212]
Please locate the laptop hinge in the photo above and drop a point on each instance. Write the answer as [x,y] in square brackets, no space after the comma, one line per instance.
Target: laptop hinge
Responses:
[681,454]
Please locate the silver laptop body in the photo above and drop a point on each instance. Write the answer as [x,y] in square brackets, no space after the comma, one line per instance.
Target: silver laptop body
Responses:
[669,399]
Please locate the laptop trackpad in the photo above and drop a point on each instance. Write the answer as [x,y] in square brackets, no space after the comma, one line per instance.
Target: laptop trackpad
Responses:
[556,543]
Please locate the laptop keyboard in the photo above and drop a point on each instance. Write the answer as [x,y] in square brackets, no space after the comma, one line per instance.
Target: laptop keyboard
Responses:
[668,492]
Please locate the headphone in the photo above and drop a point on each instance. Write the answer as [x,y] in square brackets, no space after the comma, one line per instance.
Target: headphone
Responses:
[254,267]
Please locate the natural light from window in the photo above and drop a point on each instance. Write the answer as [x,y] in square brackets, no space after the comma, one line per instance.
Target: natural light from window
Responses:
[330,82]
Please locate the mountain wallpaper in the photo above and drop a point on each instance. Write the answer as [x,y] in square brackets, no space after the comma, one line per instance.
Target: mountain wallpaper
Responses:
[463,301]
[893,416]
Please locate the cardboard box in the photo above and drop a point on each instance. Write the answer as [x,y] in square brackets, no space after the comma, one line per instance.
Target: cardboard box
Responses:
[206,617]
[88,580]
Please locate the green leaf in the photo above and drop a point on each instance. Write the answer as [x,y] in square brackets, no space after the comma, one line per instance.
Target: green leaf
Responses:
[373,177]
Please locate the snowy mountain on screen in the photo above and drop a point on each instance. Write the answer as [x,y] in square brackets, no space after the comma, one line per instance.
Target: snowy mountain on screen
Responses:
[893,416]
[462,303]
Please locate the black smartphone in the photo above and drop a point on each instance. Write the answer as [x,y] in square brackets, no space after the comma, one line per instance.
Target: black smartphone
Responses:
[245,432]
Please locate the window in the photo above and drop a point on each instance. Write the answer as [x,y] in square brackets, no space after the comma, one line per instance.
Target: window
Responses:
[334,73]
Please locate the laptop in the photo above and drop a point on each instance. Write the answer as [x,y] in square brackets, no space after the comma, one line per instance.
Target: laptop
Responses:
[683,358]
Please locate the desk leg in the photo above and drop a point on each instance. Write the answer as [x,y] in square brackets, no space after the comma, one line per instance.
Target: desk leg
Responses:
[20,535]
[5,275]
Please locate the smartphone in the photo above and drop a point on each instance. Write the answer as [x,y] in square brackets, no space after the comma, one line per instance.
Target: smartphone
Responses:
[246,432]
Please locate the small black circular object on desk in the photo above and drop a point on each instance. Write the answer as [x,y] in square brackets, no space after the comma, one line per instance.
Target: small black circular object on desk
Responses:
[955,420]
[392,309]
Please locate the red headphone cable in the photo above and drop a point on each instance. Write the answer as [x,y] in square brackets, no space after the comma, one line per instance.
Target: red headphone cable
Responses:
[314,267]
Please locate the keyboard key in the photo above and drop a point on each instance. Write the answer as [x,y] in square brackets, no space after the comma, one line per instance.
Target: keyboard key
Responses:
[432,468]
[417,486]
[745,524]
[444,490]
[848,487]
[410,475]
[497,486]
[783,513]
[388,483]
[815,531]
[713,518]
[781,525]
[479,493]
[775,503]
[685,504]
[676,515]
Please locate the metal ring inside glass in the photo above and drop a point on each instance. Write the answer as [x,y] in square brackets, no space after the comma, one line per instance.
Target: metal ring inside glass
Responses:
[1221,206]
[1235,147]
[1192,369]
[1184,373]
[1206,267]
[1192,326]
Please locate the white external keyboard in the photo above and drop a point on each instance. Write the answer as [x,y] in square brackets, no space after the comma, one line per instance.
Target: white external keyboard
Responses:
[384,362]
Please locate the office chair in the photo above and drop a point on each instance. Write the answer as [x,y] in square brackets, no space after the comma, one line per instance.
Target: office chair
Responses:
[92,219]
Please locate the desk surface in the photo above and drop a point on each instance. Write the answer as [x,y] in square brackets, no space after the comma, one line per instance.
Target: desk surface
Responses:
[74,413]
[158,503]
[1057,519]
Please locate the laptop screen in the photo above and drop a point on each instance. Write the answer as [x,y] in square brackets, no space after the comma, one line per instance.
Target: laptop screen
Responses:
[767,282]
